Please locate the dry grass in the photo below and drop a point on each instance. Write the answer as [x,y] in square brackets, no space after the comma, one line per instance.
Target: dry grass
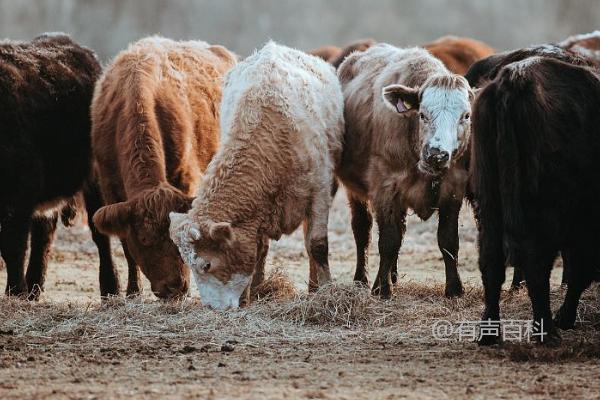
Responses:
[335,312]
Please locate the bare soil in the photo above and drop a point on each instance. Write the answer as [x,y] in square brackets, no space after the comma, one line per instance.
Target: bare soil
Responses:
[338,344]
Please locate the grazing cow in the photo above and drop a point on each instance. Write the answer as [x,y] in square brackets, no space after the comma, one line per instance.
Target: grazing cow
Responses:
[458,53]
[282,116]
[407,127]
[154,130]
[46,90]
[587,44]
[535,140]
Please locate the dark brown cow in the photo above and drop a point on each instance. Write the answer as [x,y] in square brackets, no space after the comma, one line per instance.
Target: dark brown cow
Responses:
[458,53]
[155,127]
[535,143]
[46,88]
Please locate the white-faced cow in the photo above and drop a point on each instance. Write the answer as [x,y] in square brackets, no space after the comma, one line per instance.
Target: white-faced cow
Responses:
[407,127]
[282,119]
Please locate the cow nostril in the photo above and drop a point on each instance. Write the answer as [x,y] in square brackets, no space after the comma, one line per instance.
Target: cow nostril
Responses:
[436,157]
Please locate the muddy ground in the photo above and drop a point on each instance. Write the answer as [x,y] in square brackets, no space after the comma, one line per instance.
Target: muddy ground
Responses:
[339,344]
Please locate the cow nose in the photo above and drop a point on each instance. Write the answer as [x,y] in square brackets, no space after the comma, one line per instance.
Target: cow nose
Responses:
[436,157]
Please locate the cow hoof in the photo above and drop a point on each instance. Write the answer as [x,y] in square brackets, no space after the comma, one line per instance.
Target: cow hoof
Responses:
[361,282]
[133,291]
[551,339]
[489,340]
[19,292]
[563,321]
[454,290]
[382,292]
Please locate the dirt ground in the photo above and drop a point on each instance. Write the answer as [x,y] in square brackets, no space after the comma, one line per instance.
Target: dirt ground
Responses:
[338,344]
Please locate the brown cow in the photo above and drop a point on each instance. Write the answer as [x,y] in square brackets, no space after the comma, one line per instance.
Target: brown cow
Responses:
[155,127]
[326,53]
[407,127]
[335,55]
[458,53]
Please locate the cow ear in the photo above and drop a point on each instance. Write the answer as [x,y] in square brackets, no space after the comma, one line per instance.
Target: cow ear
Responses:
[113,219]
[400,98]
[221,232]
[182,229]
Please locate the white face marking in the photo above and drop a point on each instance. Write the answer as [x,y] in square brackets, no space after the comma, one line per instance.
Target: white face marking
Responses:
[444,109]
[216,294]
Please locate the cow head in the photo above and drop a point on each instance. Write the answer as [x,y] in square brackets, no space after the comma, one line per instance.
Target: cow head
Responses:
[143,223]
[221,257]
[442,105]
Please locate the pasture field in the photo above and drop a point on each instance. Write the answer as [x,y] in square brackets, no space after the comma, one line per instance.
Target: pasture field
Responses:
[338,344]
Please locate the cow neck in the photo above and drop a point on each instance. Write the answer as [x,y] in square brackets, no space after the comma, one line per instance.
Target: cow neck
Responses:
[144,170]
[232,192]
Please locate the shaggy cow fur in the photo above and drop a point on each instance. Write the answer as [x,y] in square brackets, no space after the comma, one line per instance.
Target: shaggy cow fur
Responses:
[458,53]
[535,143]
[282,119]
[155,128]
[46,88]
[407,126]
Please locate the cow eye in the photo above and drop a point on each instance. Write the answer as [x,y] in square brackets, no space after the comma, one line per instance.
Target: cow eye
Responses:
[466,116]
[206,267]
[422,116]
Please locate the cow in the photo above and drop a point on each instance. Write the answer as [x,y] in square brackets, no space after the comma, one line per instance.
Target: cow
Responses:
[586,44]
[485,70]
[335,55]
[458,53]
[534,144]
[155,127]
[282,117]
[359,45]
[46,90]
[326,53]
[407,126]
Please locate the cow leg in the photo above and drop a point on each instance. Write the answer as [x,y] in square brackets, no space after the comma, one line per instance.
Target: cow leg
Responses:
[362,222]
[537,266]
[109,276]
[566,267]
[43,229]
[13,246]
[315,240]
[258,277]
[262,251]
[392,226]
[518,278]
[134,287]
[580,276]
[448,243]
[493,268]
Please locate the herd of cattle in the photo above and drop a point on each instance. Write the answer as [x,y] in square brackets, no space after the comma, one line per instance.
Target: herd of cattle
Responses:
[194,158]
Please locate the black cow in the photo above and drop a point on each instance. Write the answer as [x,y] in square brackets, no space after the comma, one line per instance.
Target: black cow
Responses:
[46,89]
[535,144]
